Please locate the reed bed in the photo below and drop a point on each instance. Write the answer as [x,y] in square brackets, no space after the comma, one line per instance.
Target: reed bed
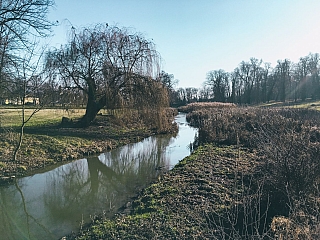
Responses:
[205,105]
[287,144]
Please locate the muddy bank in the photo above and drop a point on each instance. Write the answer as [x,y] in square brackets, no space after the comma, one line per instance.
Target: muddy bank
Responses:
[53,145]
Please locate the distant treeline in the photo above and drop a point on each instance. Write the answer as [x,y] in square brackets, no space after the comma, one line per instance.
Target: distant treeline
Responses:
[256,81]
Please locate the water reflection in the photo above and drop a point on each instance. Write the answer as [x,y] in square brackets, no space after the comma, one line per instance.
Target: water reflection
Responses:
[52,204]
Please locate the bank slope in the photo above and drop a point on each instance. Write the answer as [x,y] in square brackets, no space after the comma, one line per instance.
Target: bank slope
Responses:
[201,198]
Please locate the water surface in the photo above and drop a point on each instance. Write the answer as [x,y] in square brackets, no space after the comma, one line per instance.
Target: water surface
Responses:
[53,204]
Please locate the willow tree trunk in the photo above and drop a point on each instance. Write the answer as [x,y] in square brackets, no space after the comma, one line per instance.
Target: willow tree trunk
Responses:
[94,104]
[92,110]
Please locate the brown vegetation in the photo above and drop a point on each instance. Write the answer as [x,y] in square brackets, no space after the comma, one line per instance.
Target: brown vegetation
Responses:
[187,202]
[255,177]
[287,142]
[205,105]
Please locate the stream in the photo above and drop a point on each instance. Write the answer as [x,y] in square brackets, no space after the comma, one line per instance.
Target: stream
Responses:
[52,204]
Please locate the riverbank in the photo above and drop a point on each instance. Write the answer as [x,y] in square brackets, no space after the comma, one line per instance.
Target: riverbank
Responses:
[186,202]
[50,145]
[256,176]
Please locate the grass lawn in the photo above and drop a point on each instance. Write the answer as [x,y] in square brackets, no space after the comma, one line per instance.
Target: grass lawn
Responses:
[12,117]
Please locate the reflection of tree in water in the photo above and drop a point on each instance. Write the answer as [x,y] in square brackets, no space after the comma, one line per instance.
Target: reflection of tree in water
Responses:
[16,220]
[79,189]
[8,201]
[105,182]
[137,164]
[64,186]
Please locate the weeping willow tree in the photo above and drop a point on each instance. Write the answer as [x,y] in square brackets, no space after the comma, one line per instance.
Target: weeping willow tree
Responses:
[113,66]
[151,100]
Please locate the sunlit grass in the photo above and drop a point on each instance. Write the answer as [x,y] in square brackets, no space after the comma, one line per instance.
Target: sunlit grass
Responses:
[306,104]
[311,105]
[13,117]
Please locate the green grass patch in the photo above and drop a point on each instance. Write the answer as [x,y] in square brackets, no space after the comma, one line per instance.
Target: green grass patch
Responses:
[13,117]
[199,151]
[2,164]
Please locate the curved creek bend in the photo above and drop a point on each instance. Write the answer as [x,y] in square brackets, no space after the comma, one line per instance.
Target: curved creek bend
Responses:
[52,204]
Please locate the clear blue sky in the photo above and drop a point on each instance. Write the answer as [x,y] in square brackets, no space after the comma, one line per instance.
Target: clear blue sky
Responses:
[196,36]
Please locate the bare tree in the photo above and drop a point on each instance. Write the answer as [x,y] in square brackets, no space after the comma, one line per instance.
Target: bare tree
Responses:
[218,81]
[23,17]
[314,60]
[21,21]
[205,94]
[255,81]
[169,82]
[302,70]
[191,94]
[181,94]
[112,66]
[283,75]
[28,81]
[265,77]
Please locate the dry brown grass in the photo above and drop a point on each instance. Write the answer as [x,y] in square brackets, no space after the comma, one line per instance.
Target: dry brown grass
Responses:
[287,142]
[205,105]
